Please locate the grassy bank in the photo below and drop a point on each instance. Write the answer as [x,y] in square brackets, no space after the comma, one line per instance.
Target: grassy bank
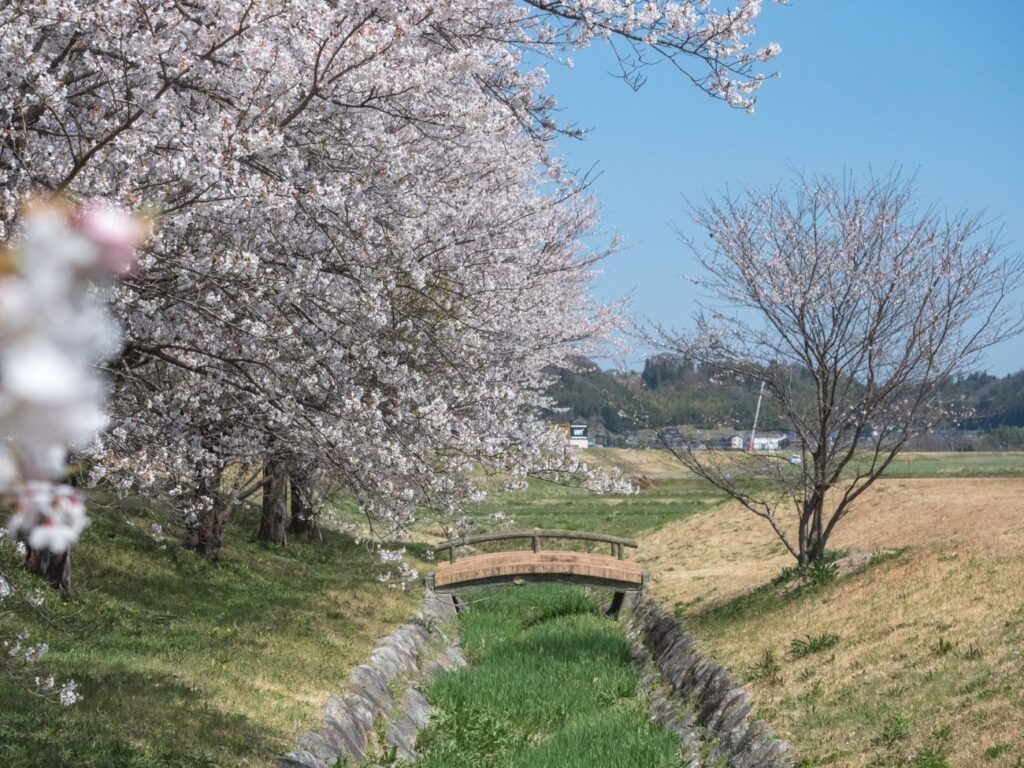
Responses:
[184,663]
[915,661]
[551,684]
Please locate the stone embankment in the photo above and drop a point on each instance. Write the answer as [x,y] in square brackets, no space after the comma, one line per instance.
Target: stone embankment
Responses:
[381,707]
[697,698]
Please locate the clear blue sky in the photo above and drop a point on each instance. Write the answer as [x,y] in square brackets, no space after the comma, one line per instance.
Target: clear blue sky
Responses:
[933,86]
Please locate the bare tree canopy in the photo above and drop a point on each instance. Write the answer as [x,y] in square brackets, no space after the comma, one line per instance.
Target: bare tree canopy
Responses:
[853,306]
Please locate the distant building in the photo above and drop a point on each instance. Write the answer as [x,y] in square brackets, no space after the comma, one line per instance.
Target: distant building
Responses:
[575,434]
[769,443]
[578,436]
[762,443]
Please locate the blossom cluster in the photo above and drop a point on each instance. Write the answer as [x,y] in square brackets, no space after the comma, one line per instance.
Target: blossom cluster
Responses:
[393,569]
[54,328]
[19,652]
[711,46]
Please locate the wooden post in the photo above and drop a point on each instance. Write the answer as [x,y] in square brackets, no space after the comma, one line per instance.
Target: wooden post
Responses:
[451,554]
[620,551]
[536,544]
[617,600]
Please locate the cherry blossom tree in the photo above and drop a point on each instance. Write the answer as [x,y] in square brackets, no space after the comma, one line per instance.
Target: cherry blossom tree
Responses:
[853,307]
[709,46]
[365,243]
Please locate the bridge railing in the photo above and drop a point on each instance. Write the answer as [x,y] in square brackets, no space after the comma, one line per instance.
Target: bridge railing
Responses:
[618,544]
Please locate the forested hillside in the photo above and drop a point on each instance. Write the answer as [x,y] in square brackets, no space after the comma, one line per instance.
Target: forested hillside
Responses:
[668,391]
[671,391]
[995,401]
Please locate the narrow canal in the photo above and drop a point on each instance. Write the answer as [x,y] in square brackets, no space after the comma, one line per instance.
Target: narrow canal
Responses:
[550,684]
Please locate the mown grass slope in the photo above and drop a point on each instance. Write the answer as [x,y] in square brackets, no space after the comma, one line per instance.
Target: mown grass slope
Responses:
[913,661]
[184,663]
[551,684]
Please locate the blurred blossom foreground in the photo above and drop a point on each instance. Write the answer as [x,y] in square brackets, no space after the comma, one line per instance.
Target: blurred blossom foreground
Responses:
[54,329]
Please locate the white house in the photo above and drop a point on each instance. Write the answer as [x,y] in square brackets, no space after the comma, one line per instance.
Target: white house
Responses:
[578,436]
[762,443]
[769,443]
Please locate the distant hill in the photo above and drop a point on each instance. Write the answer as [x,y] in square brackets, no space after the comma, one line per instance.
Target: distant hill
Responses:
[671,391]
[994,401]
[668,392]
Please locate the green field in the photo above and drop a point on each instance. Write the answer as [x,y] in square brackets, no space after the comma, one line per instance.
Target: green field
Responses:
[547,505]
[661,464]
[955,464]
[551,684]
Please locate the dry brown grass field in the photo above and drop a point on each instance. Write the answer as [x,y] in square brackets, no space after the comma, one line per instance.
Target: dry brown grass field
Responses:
[926,668]
[652,464]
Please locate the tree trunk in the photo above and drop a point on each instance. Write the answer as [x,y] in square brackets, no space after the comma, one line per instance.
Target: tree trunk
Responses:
[211,532]
[812,534]
[204,493]
[303,506]
[205,533]
[191,539]
[275,503]
[54,569]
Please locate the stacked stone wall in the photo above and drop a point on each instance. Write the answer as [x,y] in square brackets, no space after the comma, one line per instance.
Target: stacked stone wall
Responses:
[381,706]
[699,699]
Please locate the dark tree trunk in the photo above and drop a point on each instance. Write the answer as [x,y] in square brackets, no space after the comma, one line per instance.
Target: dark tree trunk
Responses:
[211,531]
[204,493]
[205,534]
[812,531]
[275,503]
[191,539]
[303,505]
[55,570]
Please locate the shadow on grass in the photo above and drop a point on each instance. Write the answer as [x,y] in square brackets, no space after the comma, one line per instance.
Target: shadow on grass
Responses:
[181,662]
[129,719]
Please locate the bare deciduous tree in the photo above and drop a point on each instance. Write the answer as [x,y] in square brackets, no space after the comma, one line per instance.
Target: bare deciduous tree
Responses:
[853,307]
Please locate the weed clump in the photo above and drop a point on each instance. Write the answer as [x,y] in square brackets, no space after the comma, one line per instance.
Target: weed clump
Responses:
[804,646]
[767,668]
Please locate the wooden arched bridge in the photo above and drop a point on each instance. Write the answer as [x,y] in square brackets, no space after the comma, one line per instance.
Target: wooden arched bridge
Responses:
[538,564]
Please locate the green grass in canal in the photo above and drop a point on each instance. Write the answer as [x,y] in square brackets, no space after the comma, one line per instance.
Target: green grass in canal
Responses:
[551,684]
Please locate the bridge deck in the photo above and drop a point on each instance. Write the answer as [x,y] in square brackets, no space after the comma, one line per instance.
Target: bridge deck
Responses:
[545,566]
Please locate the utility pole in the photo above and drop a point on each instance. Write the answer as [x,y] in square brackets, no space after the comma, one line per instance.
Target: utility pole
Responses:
[757,412]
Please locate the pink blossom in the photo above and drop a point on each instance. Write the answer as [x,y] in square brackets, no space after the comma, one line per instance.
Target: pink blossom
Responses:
[115,231]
